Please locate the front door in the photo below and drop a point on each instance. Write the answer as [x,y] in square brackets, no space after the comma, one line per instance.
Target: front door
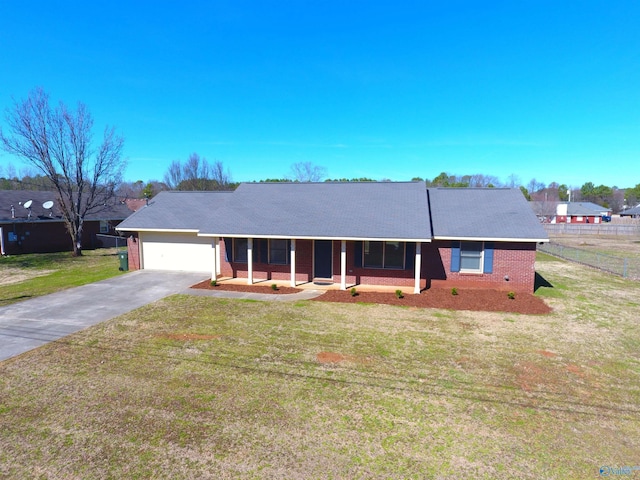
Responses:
[323,259]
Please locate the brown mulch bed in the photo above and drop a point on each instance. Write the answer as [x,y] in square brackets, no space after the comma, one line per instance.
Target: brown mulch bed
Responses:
[265,288]
[467,299]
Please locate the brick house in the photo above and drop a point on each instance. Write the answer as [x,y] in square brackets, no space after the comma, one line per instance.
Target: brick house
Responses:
[31,222]
[580,212]
[389,233]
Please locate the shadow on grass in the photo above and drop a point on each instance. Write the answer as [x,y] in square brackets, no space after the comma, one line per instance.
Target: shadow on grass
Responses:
[540,281]
[9,301]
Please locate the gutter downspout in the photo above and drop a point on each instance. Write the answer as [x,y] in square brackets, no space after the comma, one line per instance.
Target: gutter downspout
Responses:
[2,241]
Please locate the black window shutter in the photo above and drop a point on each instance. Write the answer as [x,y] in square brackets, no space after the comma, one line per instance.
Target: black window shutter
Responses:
[228,249]
[357,261]
[256,249]
[409,255]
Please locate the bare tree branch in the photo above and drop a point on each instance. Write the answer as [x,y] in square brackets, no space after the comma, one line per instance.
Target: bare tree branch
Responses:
[197,174]
[307,172]
[59,143]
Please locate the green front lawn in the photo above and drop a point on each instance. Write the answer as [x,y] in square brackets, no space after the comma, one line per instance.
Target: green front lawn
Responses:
[32,275]
[195,387]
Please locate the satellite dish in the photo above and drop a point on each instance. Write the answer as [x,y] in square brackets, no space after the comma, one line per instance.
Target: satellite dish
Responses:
[47,205]
[28,203]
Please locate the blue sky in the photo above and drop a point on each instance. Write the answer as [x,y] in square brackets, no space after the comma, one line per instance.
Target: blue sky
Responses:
[540,89]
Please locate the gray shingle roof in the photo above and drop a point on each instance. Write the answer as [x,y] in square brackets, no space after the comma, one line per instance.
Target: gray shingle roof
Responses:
[483,213]
[366,210]
[585,208]
[170,210]
[113,210]
[631,211]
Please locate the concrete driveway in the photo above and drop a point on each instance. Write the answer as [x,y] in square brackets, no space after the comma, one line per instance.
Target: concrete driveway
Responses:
[32,323]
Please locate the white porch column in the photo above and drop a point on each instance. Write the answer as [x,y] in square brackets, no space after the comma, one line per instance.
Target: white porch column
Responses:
[250,261]
[418,267]
[218,257]
[293,262]
[343,265]
[216,267]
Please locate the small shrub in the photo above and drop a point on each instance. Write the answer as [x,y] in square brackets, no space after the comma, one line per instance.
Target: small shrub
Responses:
[213,283]
[511,295]
[399,294]
[454,291]
[353,292]
[274,287]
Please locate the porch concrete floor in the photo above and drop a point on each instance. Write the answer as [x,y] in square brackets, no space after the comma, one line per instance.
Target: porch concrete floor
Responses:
[313,286]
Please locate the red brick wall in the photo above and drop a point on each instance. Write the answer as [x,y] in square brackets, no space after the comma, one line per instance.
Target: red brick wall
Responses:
[370,276]
[46,237]
[133,248]
[304,268]
[574,219]
[267,271]
[515,260]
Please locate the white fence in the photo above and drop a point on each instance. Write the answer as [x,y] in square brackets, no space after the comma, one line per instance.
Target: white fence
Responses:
[591,229]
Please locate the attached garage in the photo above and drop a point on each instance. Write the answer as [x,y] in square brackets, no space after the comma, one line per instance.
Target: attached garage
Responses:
[176,251]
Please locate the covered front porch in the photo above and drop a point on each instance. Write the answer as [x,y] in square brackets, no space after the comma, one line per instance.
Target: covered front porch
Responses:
[377,264]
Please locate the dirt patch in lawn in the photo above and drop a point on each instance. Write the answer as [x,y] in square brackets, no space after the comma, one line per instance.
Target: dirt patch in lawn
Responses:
[546,353]
[466,299]
[333,357]
[17,275]
[206,285]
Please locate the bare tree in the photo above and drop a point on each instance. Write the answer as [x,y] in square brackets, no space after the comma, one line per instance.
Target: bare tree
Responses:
[307,172]
[197,174]
[59,143]
[513,181]
[173,177]
[221,176]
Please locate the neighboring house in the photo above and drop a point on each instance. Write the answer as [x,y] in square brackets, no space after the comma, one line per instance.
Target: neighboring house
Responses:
[631,212]
[31,222]
[544,210]
[580,212]
[395,234]
[134,204]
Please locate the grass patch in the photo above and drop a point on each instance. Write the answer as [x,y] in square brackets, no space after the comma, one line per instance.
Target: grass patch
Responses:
[50,272]
[196,387]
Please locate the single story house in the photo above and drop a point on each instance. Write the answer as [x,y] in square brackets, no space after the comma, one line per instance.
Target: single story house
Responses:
[388,233]
[31,222]
[580,212]
[631,212]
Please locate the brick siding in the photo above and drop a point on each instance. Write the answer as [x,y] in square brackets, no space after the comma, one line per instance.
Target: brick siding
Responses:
[133,248]
[47,237]
[304,268]
[513,260]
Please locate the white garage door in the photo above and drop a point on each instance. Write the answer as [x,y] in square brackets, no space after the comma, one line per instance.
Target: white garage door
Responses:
[176,251]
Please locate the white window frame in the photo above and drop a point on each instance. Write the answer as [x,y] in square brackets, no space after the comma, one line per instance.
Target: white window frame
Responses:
[480,268]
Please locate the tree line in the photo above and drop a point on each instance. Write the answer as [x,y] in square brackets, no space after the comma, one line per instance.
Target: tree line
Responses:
[57,142]
[197,173]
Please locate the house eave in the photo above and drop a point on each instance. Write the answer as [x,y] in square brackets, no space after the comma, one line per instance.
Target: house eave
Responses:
[494,239]
[161,230]
[311,237]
